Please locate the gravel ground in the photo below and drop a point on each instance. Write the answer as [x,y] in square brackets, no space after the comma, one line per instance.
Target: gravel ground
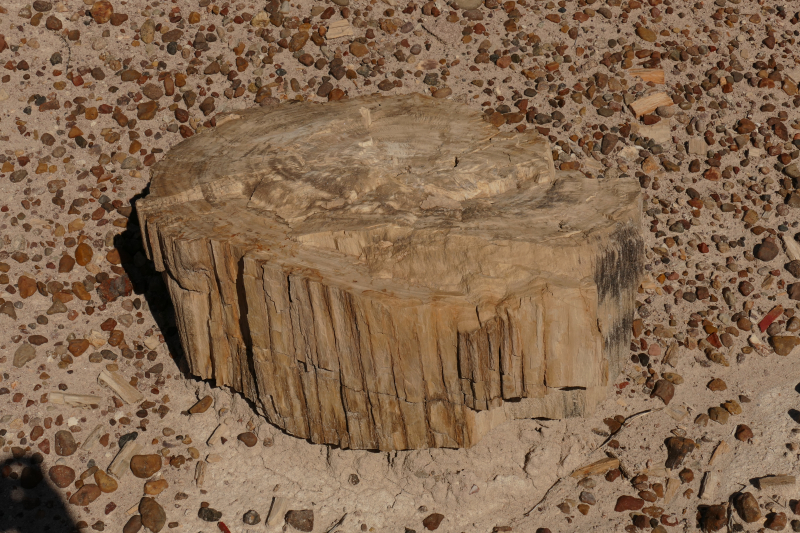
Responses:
[94,93]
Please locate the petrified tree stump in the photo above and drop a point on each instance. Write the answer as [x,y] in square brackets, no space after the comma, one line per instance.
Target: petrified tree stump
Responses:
[393,273]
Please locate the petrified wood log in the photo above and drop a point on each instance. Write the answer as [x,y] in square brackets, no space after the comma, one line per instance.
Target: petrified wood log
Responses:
[393,273]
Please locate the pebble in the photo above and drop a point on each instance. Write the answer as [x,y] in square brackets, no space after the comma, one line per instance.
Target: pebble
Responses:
[743,433]
[65,444]
[61,475]
[715,517]
[678,448]
[468,4]
[646,34]
[147,31]
[155,487]
[144,466]
[663,389]
[24,354]
[716,385]
[201,406]
[359,50]
[146,110]
[102,11]
[153,515]
[776,521]
[248,438]
[432,521]
[83,254]
[251,518]
[719,415]
[628,503]
[209,515]
[784,344]
[85,495]
[767,250]
[104,481]
[301,520]
[133,525]
[747,507]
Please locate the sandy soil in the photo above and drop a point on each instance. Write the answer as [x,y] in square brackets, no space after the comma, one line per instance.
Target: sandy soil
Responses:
[78,132]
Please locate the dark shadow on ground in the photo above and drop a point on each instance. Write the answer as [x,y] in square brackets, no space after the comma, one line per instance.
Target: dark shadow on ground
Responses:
[29,503]
[148,283]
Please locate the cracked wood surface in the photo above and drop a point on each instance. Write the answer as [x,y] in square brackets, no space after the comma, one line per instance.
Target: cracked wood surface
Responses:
[393,273]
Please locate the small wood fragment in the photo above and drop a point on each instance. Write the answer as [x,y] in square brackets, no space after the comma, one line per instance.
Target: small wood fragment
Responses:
[121,464]
[74,400]
[656,471]
[672,490]
[338,29]
[219,433]
[278,510]
[656,75]
[671,357]
[650,103]
[200,473]
[780,480]
[677,412]
[759,346]
[93,439]
[792,247]
[117,383]
[722,449]
[597,468]
[709,485]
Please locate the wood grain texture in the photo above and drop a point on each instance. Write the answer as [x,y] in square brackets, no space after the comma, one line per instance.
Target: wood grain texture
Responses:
[393,273]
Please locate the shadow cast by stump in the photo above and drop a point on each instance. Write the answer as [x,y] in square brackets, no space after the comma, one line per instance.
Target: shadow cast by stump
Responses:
[149,284]
[28,501]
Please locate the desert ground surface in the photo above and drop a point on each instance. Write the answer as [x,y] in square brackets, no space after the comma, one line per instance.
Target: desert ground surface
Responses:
[696,100]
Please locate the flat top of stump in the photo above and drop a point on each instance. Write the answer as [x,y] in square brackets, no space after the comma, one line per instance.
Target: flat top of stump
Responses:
[415,191]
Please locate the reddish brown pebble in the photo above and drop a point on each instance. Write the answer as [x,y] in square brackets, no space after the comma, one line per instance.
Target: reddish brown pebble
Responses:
[83,254]
[664,390]
[628,503]
[85,495]
[776,521]
[153,515]
[201,406]
[248,438]
[144,466]
[27,286]
[747,507]
[61,475]
[102,11]
[65,444]
[743,433]
[133,525]
[714,517]
[105,482]
[65,264]
[432,521]
[155,487]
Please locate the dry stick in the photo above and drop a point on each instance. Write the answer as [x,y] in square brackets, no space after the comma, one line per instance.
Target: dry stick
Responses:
[336,524]
[546,494]
[624,425]
[69,53]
